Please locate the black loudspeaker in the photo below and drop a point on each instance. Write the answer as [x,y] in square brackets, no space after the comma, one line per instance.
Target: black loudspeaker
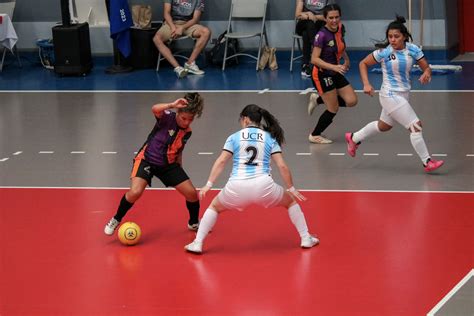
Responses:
[144,52]
[65,13]
[72,49]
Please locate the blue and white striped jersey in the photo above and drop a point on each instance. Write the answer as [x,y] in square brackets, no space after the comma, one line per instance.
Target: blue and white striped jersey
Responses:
[251,148]
[396,66]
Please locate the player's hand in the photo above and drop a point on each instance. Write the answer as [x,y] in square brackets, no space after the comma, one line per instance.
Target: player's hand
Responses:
[368,89]
[203,191]
[425,78]
[340,69]
[178,104]
[296,194]
[347,65]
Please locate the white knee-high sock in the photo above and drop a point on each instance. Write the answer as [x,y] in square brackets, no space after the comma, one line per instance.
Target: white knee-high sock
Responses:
[205,225]
[419,145]
[365,132]
[297,218]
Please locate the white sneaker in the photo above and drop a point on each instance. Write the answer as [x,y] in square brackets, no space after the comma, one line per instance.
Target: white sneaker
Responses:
[195,247]
[180,72]
[313,102]
[111,226]
[319,139]
[194,226]
[308,242]
[193,68]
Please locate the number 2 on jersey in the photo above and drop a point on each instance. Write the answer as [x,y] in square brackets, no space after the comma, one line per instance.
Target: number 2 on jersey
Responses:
[252,157]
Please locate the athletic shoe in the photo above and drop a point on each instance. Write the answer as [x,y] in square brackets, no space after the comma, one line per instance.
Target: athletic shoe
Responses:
[306,71]
[180,72]
[351,146]
[319,139]
[111,226]
[195,247]
[194,226]
[432,164]
[313,102]
[309,241]
[193,68]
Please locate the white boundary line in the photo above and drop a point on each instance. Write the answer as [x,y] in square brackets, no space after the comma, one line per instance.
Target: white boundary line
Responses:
[217,189]
[451,293]
[204,91]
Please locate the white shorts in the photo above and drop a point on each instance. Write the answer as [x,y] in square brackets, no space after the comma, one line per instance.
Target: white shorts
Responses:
[262,190]
[396,108]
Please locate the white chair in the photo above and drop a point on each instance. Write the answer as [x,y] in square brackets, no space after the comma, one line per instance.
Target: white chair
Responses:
[250,11]
[177,54]
[8,8]
[296,40]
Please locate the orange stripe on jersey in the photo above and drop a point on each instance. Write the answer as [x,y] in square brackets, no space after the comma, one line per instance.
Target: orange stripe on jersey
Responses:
[175,148]
[339,42]
[137,160]
[317,83]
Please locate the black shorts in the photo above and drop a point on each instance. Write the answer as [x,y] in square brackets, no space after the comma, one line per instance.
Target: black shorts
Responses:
[171,175]
[325,81]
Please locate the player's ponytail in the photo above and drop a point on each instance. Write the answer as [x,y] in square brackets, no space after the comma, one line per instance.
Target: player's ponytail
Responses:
[256,113]
[397,24]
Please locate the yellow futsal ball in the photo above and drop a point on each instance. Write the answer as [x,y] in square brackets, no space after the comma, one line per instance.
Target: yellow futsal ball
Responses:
[129,233]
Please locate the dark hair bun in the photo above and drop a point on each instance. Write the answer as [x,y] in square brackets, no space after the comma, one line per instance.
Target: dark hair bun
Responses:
[400,19]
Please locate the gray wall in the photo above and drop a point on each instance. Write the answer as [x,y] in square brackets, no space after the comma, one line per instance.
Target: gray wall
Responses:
[33,19]
[218,10]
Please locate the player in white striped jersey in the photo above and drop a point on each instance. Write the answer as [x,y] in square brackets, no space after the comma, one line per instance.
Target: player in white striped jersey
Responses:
[252,149]
[397,56]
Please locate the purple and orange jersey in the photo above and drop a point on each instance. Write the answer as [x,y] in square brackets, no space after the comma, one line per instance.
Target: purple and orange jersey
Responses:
[165,142]
[332,44]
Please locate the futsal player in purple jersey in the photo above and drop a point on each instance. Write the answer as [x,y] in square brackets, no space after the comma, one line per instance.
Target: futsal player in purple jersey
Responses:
[161,156]
[328,74]
[397,56]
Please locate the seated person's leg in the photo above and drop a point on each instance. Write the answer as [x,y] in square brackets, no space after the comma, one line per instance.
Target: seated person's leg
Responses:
[202,35]
[162,36]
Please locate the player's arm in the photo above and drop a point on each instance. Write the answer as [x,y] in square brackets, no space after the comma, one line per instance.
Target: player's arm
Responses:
[158,109]
[216,170]
[425,67]
[286,175]
[316,60]
[364,65]
[347,61]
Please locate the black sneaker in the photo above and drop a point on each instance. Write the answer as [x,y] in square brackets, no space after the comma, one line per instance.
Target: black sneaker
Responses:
[306,71]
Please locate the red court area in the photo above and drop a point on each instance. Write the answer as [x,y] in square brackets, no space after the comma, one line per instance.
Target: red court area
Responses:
[380,254]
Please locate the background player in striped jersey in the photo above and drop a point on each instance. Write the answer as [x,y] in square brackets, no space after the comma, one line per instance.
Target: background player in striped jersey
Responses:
[328,75]
[252,149]
[397,56]
[161,156]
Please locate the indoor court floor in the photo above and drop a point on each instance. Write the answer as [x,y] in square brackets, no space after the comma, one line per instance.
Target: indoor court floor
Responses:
[394,240]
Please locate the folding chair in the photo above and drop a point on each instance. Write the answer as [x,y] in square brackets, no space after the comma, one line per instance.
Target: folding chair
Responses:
[8,8]
[249,10]
[296,40]
[177,54]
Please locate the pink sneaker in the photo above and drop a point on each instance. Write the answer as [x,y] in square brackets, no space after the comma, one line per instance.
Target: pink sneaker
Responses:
[433,165]
[351,146]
